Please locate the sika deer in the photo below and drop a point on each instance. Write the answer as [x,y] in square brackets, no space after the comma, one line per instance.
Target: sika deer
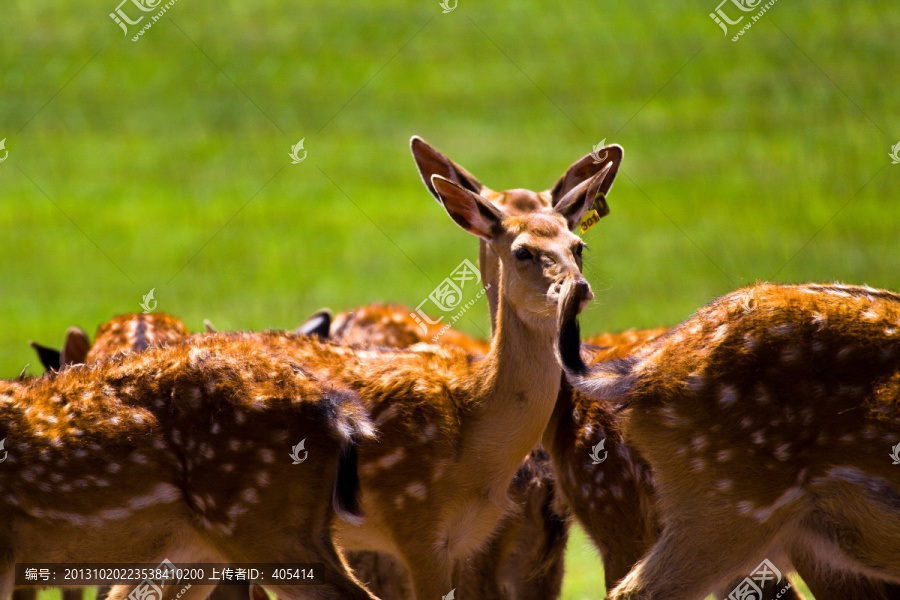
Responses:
[124,333]
[614,500]
[767,418]
[454,429]
[524,558]
[173,453]
[393,325]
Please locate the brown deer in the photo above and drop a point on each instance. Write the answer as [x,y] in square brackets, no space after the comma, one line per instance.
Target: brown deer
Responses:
[124,333]
[174,453]
[524,558]
[771,420]
[394,326]
[127,333]
[453,429]
[614,500]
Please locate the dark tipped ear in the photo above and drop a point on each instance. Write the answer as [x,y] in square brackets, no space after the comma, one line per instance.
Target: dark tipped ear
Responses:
[586,168]
[48,356]
[470,211]
[76,348]
[431,162]
[580,198]
[319,324]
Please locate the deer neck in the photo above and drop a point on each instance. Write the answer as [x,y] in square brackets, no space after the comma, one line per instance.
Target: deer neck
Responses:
[519,382]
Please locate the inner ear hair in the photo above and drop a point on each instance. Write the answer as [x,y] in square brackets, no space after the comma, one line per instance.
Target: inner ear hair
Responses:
[469,210]
[585,168]
[580,198]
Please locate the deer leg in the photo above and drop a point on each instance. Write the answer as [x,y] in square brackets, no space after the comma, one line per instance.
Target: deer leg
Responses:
[826,583]
[431,572]
[29,593]
[694,556]
[72,594]
[334,581]
[384,575]
[770,591]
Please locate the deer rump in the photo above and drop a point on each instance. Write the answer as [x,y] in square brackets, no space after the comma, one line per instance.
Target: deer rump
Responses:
[179,453]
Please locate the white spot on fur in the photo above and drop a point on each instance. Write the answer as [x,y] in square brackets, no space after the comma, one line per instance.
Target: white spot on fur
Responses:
[727,395]
[389,460]
[417,490]
[429,432]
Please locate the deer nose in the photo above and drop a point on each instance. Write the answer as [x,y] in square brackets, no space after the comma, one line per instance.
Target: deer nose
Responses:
[583,292]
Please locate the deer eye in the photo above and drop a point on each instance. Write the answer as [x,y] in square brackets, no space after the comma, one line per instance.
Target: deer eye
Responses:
[579,249]
[522,254]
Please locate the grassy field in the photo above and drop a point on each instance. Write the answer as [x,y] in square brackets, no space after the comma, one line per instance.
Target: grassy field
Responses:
[163,163]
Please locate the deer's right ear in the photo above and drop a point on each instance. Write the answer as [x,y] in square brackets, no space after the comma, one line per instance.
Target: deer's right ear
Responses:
[319,324]
[76,348]
[431,161]
[586,168]
[49,357]
[470,211]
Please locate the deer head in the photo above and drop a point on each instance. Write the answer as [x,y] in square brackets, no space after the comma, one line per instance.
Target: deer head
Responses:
[518,202]
[537,252]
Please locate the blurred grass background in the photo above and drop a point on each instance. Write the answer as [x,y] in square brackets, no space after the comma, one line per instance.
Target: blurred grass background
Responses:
[163,163]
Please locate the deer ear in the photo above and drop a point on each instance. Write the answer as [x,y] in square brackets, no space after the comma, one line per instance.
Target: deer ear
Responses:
[586,168]
[76,348]
[573,205]
[49,357]
[470,211]
[319,324]
[431,162]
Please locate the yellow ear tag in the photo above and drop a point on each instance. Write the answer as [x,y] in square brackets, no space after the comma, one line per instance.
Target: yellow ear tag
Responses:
[592,216]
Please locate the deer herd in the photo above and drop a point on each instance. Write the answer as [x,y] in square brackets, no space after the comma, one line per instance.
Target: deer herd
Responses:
[757,432]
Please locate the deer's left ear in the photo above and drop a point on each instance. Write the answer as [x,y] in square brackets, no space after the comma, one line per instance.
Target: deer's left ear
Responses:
[586,168]
[76,348]
[470,211]
[319,324]
[49,357]
[573,205]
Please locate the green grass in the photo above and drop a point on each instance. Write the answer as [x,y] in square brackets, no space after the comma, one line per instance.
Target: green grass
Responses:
[163,163]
